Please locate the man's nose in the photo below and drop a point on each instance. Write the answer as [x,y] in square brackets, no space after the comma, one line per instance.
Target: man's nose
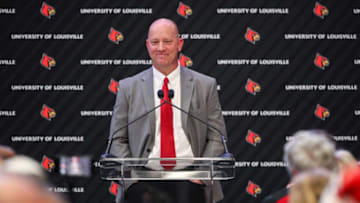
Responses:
[161,46]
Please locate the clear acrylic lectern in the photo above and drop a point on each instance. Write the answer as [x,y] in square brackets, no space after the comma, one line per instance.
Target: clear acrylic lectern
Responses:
[207,169]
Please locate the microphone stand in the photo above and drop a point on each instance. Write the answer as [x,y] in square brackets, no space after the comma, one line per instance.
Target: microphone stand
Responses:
[227,154]
[112,138]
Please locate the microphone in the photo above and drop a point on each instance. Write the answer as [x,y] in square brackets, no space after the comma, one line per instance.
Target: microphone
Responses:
[112,138]
[171,93]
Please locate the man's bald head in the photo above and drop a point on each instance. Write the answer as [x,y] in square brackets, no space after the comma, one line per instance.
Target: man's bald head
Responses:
[164,22]
[163,45]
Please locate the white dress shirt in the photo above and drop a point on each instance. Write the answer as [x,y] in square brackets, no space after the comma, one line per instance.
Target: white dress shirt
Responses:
[182,145]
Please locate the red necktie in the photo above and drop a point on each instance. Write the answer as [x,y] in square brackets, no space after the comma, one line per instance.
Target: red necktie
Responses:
[167,130]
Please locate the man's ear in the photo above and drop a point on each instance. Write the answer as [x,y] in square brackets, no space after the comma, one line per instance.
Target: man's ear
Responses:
[181,43]
[147,44]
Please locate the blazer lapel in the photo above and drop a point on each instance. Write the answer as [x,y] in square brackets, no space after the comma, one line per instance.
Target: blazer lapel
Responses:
[187,86]
[148,95]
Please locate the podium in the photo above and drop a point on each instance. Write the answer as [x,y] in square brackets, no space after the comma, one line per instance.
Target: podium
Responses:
[208,169]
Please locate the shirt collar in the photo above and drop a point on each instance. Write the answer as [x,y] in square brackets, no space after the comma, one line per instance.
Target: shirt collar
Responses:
[172,76]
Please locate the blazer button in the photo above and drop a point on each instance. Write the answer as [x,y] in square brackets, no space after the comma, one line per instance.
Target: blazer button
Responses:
[148,150]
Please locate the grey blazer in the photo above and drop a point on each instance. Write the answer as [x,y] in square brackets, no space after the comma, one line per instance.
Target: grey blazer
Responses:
[198,96]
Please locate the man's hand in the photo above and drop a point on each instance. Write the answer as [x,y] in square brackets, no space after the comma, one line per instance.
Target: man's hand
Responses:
[197,182]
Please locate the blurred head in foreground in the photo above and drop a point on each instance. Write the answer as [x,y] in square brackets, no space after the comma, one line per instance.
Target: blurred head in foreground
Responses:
[309,149]
[26,166]
[22,189]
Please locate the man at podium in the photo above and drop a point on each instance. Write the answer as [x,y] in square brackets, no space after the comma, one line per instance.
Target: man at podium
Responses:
[167,132]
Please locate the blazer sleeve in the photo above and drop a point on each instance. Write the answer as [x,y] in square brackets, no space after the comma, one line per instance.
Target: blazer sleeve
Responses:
[119,119]
[214,146]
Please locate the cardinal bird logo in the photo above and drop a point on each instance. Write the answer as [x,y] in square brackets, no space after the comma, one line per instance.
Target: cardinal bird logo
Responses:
[253,138]
[114,188]
[184,10]
[113,86]
[252,36]
[252,87]
[47,164]
[115,36]
[320,10]
[322,112]
[321,61]
[47,61]
[47,10]
[47,112]
[253,189]
[185,61]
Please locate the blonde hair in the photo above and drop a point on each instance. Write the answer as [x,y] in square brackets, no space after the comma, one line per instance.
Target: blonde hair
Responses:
[308,186]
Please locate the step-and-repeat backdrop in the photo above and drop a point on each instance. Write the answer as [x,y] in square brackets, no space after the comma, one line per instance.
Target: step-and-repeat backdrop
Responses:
[281,66]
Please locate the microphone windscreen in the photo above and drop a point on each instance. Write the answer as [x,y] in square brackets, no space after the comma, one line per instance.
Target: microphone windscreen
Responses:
[160,94]
[171,94]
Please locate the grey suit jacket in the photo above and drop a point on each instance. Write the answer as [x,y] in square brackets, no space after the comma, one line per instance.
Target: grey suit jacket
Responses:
[198,96]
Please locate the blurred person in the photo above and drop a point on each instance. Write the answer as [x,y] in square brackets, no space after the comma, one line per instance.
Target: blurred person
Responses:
[349,188]
[308,186]
[22,189]
[26,166]
[344,186]
[344,158]
[307,150]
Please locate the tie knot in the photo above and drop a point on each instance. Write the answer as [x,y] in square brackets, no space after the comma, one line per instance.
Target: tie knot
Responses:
[166,81]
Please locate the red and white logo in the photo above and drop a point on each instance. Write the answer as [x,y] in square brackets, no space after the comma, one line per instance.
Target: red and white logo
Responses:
[47,10]
[253,138]
[115,36]
[321,61]
[320,10]
[47,163]
[184,10]
[114,188]
[47,61]
[252,87]
[253,189]
[252,36]
[322,112]
[185,61]
[113,86]
[47,112]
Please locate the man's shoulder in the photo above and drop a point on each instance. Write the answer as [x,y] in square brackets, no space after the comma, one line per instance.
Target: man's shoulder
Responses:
[199,76]
[137,77]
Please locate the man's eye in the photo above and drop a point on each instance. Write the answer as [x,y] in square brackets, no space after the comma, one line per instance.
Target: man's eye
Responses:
[155,42]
